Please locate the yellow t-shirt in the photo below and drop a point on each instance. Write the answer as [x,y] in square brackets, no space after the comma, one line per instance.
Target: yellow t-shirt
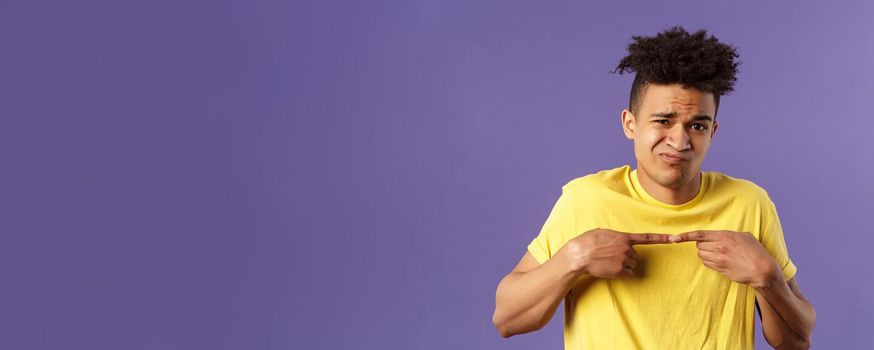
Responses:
[675,302]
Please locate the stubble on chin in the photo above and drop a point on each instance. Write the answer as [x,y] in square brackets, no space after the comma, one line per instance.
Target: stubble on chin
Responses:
[674,179]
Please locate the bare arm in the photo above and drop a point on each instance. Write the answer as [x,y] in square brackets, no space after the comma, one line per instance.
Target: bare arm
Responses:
[528,296]
[787,317]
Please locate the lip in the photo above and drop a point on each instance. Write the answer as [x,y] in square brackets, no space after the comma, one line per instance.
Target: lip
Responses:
[671,159]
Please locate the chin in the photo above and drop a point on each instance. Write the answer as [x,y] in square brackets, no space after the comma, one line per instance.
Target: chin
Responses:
[672,177]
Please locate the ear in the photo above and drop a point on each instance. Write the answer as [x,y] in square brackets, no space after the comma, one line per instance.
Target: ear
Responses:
[713,133]
[629,123]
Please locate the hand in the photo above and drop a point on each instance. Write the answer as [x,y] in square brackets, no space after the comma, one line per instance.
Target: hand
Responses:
[737,255]
[606,253]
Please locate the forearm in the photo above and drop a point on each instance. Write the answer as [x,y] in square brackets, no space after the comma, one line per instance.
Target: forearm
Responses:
[787,320]
[526,301]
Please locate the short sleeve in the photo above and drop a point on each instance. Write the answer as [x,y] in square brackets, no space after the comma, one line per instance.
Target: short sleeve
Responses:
[558,225]
[773,241]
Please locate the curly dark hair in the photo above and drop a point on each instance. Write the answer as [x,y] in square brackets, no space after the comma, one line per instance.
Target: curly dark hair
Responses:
[676,57]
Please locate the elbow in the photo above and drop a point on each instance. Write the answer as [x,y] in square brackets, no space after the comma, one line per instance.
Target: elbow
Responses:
[502,330]
[797,343]
[501,326]
[508,327]
[802,340]
[802,345]
[805,340]
[504,333]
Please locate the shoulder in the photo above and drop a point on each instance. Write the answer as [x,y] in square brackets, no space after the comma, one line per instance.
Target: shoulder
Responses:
[738,187]
[598,181]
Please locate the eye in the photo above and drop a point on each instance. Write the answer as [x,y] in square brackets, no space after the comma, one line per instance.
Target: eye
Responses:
[661,120]
[703,127]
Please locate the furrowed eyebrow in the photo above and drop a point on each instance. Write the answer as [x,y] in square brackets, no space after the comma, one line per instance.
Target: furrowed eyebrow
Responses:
[674,115]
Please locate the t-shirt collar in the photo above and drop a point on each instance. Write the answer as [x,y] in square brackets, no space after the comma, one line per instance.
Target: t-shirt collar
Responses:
[646,197]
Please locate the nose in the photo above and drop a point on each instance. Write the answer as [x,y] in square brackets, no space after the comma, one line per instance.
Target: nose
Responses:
[678,138]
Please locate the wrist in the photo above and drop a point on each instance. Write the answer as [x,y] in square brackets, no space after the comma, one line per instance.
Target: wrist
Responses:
[769,274]
[573,261]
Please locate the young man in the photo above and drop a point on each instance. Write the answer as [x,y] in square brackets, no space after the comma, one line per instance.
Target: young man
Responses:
[663,256]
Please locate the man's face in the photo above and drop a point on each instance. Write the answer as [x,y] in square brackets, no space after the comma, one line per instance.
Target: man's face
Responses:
[672,132]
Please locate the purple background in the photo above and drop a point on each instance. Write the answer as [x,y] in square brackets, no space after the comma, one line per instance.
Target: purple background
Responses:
[275,175]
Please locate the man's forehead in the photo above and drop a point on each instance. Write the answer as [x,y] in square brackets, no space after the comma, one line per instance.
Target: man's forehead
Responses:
[680,97]
[693,113]
[673,114]
[673,98]
[682,109]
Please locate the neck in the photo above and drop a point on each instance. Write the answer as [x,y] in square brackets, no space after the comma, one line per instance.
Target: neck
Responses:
[680,194]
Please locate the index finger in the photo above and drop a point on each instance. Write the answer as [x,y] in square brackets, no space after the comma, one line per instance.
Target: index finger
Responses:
[648,238]
[700,236]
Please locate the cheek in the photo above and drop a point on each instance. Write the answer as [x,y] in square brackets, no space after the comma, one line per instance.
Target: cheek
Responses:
[649,140]
[701,143]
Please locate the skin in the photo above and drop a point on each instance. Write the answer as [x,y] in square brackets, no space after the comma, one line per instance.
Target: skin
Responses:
[529,295]
[672,121]
[788,318]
